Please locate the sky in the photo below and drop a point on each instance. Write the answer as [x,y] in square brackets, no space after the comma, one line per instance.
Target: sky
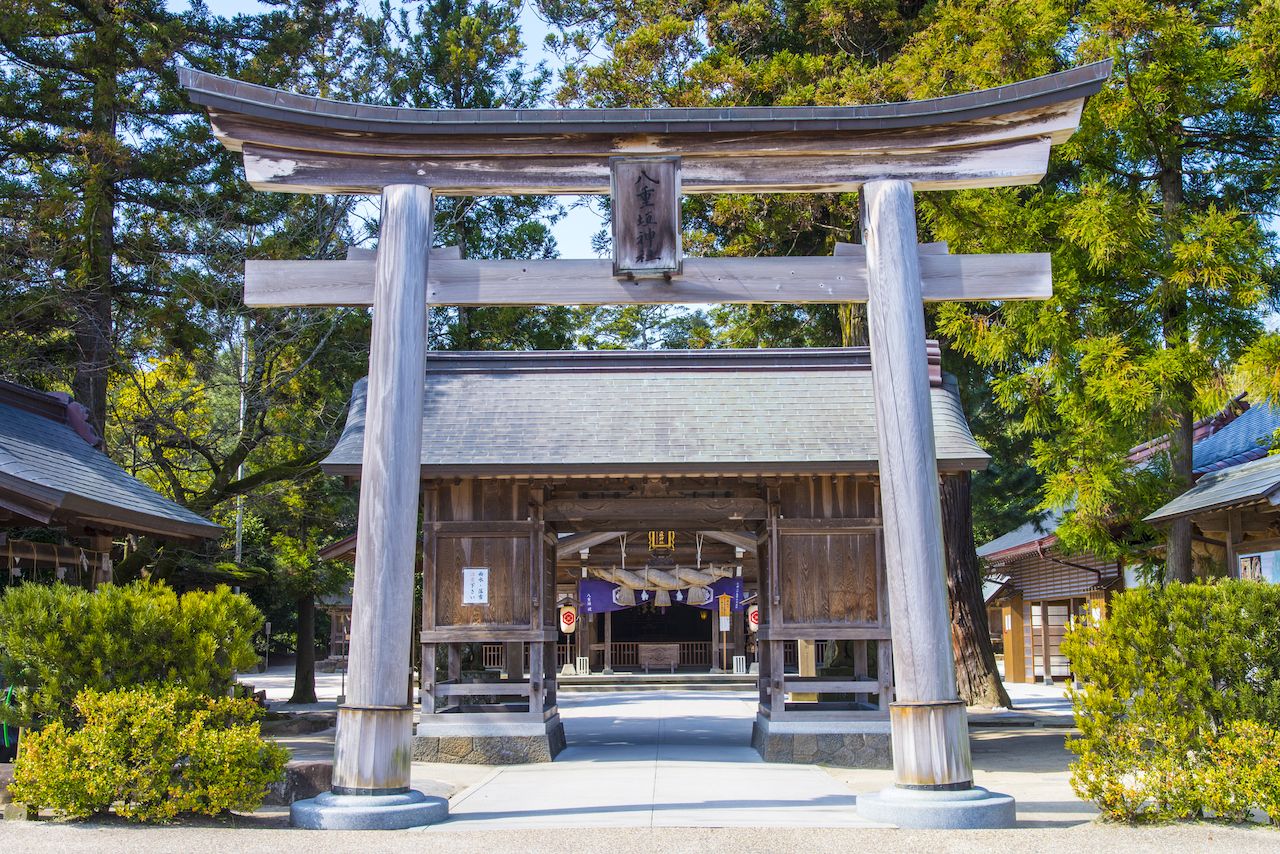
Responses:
[573,232]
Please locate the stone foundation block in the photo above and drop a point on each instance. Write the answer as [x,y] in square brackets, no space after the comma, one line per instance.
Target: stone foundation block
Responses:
[811,746]
[480,748]
[302,779]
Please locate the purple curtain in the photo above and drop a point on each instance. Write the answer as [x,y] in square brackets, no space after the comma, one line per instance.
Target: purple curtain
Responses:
[731,586]
[596,597]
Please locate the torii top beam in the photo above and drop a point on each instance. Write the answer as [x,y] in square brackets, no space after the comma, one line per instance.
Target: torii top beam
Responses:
[994,137]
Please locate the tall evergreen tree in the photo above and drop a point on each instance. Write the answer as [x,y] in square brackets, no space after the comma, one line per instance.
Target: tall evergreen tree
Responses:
[712,53]
[467,54]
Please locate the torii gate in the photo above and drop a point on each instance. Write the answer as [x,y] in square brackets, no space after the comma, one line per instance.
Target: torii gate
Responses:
[995,137]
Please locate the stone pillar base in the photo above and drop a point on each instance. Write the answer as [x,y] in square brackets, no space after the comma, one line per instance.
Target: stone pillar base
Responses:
[467,741]
[962,809]
[368,812]
[845,745]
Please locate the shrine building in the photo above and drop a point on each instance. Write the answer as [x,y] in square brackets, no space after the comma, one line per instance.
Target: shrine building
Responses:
[539,466]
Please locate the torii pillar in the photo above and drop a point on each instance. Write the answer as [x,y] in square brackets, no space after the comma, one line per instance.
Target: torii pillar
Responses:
[374,741]
[933,773]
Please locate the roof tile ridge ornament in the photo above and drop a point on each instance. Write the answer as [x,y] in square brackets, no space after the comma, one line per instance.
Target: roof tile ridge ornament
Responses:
[56,406]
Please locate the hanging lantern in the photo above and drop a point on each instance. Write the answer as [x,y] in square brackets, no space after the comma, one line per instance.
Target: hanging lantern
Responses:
[568,619]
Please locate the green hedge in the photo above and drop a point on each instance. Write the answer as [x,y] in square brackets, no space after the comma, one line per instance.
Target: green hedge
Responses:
[1180,682]
[151,754]
[57,640]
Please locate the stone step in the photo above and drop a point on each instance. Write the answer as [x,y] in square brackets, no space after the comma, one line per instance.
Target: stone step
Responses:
[657,682]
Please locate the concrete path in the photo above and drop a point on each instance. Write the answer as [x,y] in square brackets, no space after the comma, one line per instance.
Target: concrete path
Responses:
[676,759]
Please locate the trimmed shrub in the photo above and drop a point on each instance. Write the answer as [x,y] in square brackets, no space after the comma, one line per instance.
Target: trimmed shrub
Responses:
[1170,680]
[152,754]
[57,641]
[1241,773]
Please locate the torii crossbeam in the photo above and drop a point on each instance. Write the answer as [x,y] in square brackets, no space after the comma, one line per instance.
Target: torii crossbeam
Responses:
[995,137]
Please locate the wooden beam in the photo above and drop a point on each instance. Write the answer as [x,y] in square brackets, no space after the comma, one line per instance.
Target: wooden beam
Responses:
[705,280]
[569,546]
[1057,122]
[439,253]
[857,250]
[585,509]
[1023,161]
[744,541]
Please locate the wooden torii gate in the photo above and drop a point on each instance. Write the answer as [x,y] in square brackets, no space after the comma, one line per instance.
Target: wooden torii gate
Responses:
[995,137]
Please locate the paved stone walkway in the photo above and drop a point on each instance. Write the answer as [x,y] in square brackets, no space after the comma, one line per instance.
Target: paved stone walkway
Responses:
[678,759]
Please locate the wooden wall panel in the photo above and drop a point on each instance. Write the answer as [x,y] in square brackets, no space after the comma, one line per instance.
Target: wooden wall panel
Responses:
[508,561]
[836,576]
[1036,577]
[829,497]
[829,578]
[484,500]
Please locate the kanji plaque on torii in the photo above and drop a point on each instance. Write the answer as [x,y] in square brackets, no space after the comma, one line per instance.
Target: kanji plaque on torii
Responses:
[645,204]
[996,137]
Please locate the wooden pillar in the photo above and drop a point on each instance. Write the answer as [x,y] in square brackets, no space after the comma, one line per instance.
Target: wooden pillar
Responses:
[608,643]
[513,659]
[1015,641]
[715,638]
[100,573]
[1045,657]
[807,664]
[372,747]
[738,636]
[1234,538]
[929,730]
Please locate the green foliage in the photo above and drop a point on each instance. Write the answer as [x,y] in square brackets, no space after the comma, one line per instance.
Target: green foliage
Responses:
[152,754]
[57,641]
[1178,680]
[1242,773]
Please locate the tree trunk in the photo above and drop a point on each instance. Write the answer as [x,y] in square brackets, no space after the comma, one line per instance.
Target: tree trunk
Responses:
[1176,335]
[977,678]
[92,277]
[1178,557]
[304,671]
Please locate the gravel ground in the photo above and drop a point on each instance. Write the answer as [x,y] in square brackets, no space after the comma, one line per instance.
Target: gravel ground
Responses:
[103,838]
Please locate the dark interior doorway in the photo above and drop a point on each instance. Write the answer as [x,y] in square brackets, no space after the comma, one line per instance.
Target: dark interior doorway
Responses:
[647,623]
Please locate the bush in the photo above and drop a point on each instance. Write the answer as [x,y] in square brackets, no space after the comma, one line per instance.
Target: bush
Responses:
[151,754]
[1171,679]
[1241,773]
[57,641]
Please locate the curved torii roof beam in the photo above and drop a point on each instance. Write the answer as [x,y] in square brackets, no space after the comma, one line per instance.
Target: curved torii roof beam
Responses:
[303,144]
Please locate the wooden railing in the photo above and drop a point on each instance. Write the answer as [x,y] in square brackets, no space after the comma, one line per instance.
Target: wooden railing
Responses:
[695,654]
[625,654]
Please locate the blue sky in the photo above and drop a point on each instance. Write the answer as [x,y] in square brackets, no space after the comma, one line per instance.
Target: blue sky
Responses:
[573,232]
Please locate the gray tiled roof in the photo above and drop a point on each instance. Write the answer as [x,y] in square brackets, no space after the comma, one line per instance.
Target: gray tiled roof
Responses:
[1246,437]
[1023,535]
[729,412]
[1252,481]
[46,462]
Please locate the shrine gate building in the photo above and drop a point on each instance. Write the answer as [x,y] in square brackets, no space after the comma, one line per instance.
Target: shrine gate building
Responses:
[535,465]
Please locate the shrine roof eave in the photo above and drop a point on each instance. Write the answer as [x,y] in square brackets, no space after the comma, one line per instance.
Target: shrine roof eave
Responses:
[592,470]
[230,96]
